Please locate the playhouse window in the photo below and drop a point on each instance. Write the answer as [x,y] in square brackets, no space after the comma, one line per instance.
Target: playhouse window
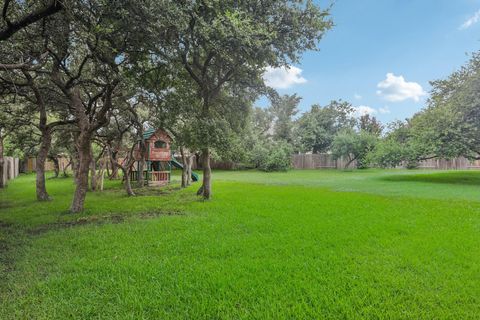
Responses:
[159,144]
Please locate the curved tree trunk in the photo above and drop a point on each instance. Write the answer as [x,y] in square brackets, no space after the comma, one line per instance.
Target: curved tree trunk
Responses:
[351,159]
[113,162]
[128,185]
[56,165]
[66,167]
[45,143]
[81,177]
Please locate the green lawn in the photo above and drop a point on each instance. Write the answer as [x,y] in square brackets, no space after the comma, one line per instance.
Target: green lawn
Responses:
[298,245]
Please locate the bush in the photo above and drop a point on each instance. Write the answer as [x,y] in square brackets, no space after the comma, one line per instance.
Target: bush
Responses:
[354,146]
[272,156]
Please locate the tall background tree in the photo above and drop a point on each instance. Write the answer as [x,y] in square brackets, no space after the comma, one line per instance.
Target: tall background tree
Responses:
[227,44]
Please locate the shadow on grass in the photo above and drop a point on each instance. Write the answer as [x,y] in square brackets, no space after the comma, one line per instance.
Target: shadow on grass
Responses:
[471,178]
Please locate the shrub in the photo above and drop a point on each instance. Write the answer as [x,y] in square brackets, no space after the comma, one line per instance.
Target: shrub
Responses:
[271,156]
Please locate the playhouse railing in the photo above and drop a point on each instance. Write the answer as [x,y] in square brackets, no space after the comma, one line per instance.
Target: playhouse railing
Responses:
[153,176]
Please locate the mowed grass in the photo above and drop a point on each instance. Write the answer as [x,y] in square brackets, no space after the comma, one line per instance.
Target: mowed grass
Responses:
[298,245]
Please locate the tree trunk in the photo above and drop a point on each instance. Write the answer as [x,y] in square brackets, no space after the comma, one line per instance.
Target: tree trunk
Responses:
[2,163]
[350,160]
[107,169]
[101,173]
[84,147]
[113,162]
[75,162]
[128,185]
[66,167]
[56,166]
[184,169]
[140,179]
[102,178]
[45,143]
[189,164]
[207,175]
[93,172]
[141,162]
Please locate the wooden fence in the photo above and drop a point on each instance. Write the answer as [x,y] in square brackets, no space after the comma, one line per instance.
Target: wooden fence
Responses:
[299,161]
[11,169]
[320,161]
[327,161]
[31,164]
[453,164]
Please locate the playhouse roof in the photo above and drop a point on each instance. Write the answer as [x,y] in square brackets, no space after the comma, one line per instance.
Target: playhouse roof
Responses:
[151,131]
[148,133]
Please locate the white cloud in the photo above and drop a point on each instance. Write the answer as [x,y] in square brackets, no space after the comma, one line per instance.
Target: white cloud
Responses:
[470,21]
[396,89]
[363,110]
[384,110]
[357,96]
[283,77]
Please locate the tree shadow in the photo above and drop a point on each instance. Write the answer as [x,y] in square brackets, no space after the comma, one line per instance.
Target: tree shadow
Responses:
[471,178]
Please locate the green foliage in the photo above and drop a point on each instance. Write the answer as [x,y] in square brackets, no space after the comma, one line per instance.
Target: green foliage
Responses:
[355,146]
[271,156]
[387,153]
[448,127]
[317,128]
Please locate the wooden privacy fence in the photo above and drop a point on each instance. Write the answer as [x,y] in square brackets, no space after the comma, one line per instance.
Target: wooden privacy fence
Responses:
[299,161]
[11,169]
[327,161]
[460,163]
[31,164]
[320,161]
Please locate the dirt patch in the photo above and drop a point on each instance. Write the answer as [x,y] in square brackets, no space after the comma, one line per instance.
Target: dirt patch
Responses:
[152,191]
[152,215]
[99,220]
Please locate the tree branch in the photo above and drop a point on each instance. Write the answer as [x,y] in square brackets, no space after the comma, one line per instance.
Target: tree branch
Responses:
[12,27]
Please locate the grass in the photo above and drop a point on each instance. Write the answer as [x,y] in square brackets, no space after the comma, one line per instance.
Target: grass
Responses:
[303,244]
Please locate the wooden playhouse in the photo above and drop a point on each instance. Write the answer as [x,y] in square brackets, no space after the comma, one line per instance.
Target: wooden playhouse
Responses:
[158,158]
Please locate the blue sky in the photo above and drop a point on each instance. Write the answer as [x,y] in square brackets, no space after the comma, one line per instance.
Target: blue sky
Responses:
[419,40]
